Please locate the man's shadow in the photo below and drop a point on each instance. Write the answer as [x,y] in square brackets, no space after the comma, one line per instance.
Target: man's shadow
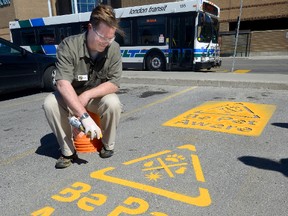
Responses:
[50,148]
[267,164]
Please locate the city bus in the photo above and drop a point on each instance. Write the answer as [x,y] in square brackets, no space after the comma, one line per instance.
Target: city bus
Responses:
[165,36]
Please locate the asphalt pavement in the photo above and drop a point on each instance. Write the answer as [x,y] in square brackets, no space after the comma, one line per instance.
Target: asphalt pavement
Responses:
[182,149]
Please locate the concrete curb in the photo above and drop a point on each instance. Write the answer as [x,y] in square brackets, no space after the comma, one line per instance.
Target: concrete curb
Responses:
[258,81]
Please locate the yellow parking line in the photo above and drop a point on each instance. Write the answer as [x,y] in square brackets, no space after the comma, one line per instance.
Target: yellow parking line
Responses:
[242,71]
[17,157]
[158,101]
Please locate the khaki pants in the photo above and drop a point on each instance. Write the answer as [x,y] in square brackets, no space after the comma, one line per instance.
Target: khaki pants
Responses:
[57,113]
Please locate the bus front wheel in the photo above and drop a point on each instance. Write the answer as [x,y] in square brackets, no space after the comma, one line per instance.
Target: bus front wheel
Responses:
[155,62]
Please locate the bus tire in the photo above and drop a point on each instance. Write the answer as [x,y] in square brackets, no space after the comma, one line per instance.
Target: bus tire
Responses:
[155,62]
[49,79]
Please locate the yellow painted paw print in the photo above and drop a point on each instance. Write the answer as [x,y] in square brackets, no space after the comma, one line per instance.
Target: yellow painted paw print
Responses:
[175,158]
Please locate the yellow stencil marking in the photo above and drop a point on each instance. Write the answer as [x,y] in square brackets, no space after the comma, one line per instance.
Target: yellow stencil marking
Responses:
[165,167]
[189,147]
[197,168]
[203,199]
[241,118]
[146,157]
[242,71]
[162,167]
[173,165]
[153,176]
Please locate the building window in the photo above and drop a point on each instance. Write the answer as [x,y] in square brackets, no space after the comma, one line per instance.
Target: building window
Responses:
[86,5]
[4,3]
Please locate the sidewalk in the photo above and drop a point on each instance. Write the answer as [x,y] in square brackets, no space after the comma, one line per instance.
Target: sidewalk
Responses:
[215,79]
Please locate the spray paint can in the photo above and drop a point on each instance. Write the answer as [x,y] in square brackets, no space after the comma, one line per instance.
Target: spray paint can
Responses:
[75,122]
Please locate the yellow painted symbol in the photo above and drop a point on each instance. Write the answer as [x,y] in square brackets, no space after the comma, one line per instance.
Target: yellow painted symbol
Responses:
[171,165]
[241,118]
[153,176]
[167,167]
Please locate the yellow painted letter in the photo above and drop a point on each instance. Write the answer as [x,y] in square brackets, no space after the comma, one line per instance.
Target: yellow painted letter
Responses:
[46,211]
[143,207]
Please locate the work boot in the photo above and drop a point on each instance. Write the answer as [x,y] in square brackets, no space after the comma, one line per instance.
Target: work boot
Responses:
[65,161]
[104,153]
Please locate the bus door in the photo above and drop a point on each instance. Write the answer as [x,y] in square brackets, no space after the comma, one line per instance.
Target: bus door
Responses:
[182,40]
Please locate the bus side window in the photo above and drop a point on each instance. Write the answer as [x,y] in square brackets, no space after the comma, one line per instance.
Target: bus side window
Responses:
[146,37]
[127,36]
[119,39]
[47,36]
[149,30]
[28,37]
[62,33]
[124,40]
[84,27]
[69,31]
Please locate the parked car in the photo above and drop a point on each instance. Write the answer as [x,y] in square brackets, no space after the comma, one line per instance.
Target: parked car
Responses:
[21,69]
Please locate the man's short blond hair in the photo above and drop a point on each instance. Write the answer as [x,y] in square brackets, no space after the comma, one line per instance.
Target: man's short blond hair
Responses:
[104,14]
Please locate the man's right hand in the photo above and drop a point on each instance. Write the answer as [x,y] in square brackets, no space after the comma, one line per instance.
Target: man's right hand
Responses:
[91,128]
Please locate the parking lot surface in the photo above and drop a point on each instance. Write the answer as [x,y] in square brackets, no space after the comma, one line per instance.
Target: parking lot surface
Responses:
[181,150]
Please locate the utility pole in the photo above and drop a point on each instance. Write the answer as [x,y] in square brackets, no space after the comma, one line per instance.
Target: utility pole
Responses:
[51,8]
[74,6]
[237,35]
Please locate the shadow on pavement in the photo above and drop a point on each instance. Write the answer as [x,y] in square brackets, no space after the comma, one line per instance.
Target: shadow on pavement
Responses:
[18,94]
[50,148]
[282,125]
[266,164]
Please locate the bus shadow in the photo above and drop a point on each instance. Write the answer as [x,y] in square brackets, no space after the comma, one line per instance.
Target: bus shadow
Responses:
[266,164]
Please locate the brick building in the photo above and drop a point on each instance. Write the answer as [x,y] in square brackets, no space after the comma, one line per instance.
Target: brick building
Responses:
[263,28]
[19,9]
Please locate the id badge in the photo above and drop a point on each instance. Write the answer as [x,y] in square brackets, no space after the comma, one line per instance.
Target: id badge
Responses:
[82,78]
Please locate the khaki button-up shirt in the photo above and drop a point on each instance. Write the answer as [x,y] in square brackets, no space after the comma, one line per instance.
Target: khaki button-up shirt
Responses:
[75,64]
